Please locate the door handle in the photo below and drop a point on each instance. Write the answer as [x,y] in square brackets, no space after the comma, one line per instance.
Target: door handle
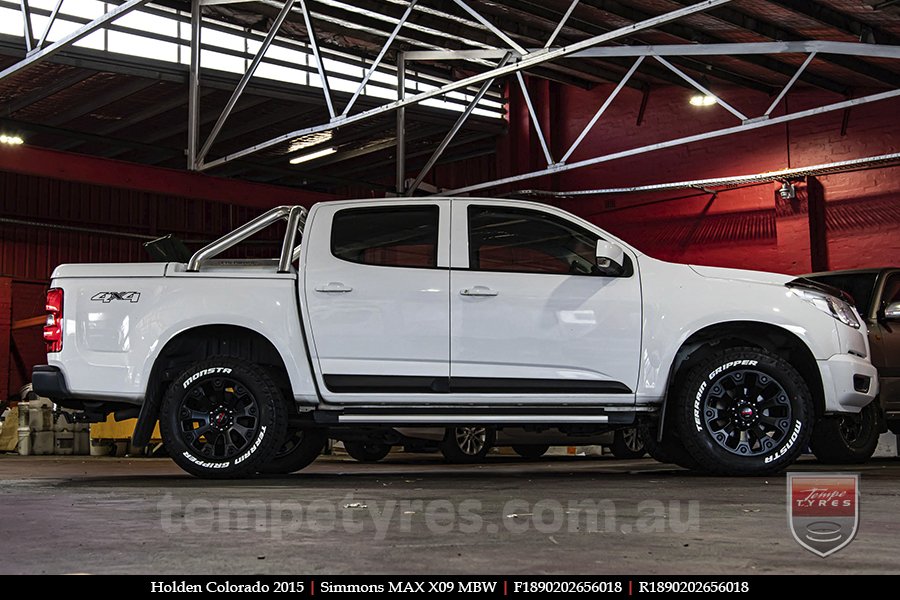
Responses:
[478,290]
[334,287]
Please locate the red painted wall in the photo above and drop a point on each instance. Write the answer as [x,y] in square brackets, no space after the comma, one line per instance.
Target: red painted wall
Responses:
[60,208]
[742,228]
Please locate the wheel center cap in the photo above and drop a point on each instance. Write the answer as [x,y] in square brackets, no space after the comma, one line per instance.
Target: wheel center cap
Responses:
[747,412]
[220,418]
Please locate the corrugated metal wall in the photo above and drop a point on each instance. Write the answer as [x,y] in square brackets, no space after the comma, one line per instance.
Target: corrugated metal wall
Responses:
[47,222]
[56,209]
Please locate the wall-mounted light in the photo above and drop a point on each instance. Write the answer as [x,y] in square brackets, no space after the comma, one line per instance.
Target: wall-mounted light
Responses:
[787,191]
[313,155]
[11,140]
[703,100]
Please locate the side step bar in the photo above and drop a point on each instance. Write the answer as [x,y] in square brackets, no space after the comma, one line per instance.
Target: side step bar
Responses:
[462,418]
[490,415]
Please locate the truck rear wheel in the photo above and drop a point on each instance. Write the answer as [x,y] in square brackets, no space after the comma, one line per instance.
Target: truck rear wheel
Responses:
[300,448]
[223,418]
[744,411]
[847,439]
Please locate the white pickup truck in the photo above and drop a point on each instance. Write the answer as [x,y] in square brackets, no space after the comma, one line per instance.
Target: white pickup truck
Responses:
[439,312]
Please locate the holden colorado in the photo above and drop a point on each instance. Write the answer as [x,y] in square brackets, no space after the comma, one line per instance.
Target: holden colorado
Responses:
[380,315]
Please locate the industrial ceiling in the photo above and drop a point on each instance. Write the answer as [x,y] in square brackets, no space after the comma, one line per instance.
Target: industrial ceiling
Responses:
[136,109]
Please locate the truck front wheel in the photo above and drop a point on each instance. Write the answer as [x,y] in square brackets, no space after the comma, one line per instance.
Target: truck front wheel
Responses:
[223,418]
[744,411]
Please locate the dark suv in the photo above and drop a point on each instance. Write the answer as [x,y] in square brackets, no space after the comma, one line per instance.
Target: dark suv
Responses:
[876,294]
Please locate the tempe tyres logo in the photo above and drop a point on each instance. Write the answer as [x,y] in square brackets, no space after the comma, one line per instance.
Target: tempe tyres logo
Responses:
[823,510]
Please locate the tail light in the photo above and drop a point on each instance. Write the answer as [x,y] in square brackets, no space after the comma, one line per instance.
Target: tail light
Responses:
[53,335]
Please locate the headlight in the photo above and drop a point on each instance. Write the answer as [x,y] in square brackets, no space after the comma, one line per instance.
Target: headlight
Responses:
[827,303]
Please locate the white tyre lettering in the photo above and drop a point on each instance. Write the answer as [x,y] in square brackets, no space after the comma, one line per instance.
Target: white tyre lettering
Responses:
[697,401]
[202,372]
[791,441]
[205,465]
[246,455]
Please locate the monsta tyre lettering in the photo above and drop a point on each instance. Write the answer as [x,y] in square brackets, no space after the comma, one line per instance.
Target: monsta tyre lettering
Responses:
[199,374]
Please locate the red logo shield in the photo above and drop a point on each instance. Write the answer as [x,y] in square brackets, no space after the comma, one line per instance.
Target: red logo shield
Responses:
[823,510]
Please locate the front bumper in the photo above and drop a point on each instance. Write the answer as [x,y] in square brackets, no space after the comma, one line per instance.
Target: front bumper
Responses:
[849,382]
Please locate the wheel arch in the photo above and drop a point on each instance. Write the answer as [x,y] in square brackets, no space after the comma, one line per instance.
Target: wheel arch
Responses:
[197,343]
[720,336]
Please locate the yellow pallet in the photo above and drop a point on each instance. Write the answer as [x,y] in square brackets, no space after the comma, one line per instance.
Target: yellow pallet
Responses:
[119,430]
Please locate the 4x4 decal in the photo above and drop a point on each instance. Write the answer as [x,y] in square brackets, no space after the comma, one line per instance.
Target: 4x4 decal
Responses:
[107,297]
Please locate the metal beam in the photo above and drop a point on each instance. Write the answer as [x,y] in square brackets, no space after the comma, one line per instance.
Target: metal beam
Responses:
[30,160]
[746,126]
[377,61]
[602,109]
[727,49]
[461,141]
[39,55]
[177,128]
[193,125]
[134,118]
[701,88]
[490,27]
[419,133]
[789,84]
[519,11]
[401,125]
[562,22]
[49,26]
[694,35]
[778,32]
[245,78]
[534,120]
[734,180]
[821,12]
[455,129]
[744,49]
[530,60]
[314,46]
[26,25]
[431,26]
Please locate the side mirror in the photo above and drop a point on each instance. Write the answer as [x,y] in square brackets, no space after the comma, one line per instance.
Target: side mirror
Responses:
[892,312]
[610,258]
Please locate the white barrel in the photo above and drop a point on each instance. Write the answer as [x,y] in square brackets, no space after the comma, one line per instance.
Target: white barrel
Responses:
[24,445]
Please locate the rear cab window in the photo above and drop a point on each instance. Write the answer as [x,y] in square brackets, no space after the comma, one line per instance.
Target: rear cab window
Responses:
[392,236]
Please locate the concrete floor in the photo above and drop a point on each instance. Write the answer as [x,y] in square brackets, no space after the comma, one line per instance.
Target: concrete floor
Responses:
[413,514]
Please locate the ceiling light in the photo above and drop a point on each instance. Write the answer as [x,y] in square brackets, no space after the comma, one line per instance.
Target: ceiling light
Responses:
[11,140]
[703,100]
[313,155]
[309,140]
